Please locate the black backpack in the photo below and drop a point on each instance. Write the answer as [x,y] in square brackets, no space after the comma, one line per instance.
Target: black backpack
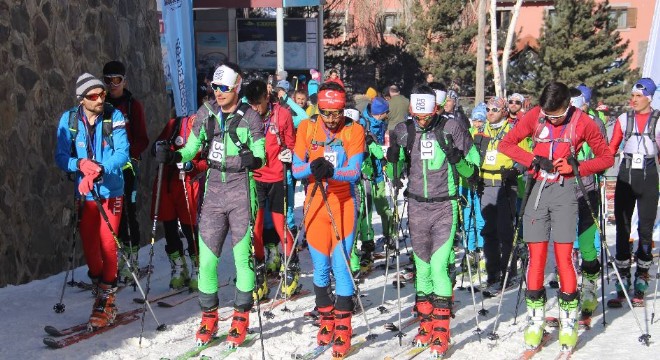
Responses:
[108,109]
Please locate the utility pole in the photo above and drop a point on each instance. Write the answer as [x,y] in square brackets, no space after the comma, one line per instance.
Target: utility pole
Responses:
[480,84]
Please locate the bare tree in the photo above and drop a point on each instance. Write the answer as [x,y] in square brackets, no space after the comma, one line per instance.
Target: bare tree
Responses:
[500,74]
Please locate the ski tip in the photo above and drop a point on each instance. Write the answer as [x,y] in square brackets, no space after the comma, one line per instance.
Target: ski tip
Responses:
[162,327]
[52,343]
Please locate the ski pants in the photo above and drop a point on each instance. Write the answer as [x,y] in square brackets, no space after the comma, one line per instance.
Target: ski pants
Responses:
[498,208]
[291,200]
[325,245]
[129,228]
[178,204]
[226,208]
[641,189]
[98,242]
[473,221]
[587,236]
[270,197]
[432,230]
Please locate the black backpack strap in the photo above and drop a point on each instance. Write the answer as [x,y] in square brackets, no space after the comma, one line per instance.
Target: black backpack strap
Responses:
[410,141]
[630,125]
[653,121]
[233,126]
[73,129]
[108,127]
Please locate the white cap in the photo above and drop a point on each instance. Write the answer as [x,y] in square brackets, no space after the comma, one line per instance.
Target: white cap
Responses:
[352,113]
[224,75]
[440,97]
[578,101]
[422,103]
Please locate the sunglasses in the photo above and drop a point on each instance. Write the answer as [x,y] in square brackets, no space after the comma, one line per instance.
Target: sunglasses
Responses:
[329,113]
[113,80]
[493,110]
[555,117]
[639,87]
[94,97]
[222,88]
[427,117]
[517,102]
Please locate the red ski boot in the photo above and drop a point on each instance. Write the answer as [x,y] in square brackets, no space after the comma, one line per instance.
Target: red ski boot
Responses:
[327,325]
[440,336]
[208,328]
[424,311]
[343,332]
[238,329]
[104,311]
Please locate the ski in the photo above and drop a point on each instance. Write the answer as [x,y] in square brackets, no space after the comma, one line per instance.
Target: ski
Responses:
[228,351]
[584,323]
[407,352]
[196,350]
[565,354]
[53,331]
[277,302]
[79,336]
[140,300]
[529,353]
[315,353]
[179,301]
[352,350]
[142,272]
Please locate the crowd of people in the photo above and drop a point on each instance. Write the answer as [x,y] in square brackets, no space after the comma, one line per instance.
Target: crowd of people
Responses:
[482,182]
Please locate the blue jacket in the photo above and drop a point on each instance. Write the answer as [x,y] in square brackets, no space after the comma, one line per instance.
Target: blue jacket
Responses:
[111,158]
[378,128]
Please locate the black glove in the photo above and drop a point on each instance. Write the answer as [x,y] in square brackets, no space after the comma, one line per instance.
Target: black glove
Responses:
[165,155]
[392,154]
[369,139]
[453,155]
[542,163]
[322,168]
[248,161]
[510,175]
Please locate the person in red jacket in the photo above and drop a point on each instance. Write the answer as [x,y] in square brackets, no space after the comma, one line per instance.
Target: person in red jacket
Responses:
[334,77]
[114,76]
[179,198]
[269,179]
[558,130]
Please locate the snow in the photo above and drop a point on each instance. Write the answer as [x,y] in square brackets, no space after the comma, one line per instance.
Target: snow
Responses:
[26,309]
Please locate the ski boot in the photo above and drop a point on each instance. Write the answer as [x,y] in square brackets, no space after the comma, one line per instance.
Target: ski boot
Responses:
[535,328]
[341,342]
[124,271]
[641,282]
[238,329]
[440,336]
[180,276]
[568,321]
[273,259]
[493,288]
[192,283]
[327,325]
[589,288]
[424,310]
[104,310]
[290,286]
[261,290]
[366,255]
[623,266]
[208,328]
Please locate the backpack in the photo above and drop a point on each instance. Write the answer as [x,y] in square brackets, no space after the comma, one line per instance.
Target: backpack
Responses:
[108,109]
[439,132]
[649,131]
[210,129]
[571,125]
[348,122]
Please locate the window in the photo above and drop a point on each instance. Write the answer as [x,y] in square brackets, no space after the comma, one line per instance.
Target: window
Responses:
[624,18]
[390,20]
[340,20]
[503,19]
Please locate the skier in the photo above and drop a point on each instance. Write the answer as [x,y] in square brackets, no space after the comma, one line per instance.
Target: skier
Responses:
[437,151]
[472,219]
[498,188]
[557,129]
[178,205]
[329,153]
[278,131]
[515,108]
[373,119]
[93,146]
[232,140]
[114,76]
[636,185]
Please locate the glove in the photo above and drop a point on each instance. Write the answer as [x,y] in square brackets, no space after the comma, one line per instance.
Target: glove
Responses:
[167,156]
[285,156]
[510,175]
[454,155]
[248,161]
[186,166]
[542,163]
[322,169]
[393,153]
[89,167]
[563,167]
[369,139]
[86,184]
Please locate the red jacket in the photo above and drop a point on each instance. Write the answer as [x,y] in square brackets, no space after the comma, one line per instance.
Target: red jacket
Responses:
[177,141]
[278,123]
[586,130]
[136,126]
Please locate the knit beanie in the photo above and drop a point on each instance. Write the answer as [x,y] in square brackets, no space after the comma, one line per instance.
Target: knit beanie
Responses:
[85,83]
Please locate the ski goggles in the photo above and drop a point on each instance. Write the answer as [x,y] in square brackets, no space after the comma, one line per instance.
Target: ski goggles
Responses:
[515,102]
[113,79]
[222,88]
[555,117]
[94,97]
[331,113]
[425,117]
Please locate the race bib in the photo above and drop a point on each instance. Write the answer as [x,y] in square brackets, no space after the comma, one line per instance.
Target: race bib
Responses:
[331,156]
[549,176]
[637,161]
[217,152]
[384,147]
[491,157]
[427,150]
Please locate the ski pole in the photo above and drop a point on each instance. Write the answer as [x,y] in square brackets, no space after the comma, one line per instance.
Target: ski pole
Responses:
[343,252]
[382,307]
[195,259]
[520,286]
[478,330]
[60,307]
[95,195]
[269,313]
[655,293]
[529,183]
[603,242]
[397,251]
[645,337]
[483,311]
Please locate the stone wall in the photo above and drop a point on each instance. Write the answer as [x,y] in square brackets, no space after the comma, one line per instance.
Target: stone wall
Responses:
[44,46]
